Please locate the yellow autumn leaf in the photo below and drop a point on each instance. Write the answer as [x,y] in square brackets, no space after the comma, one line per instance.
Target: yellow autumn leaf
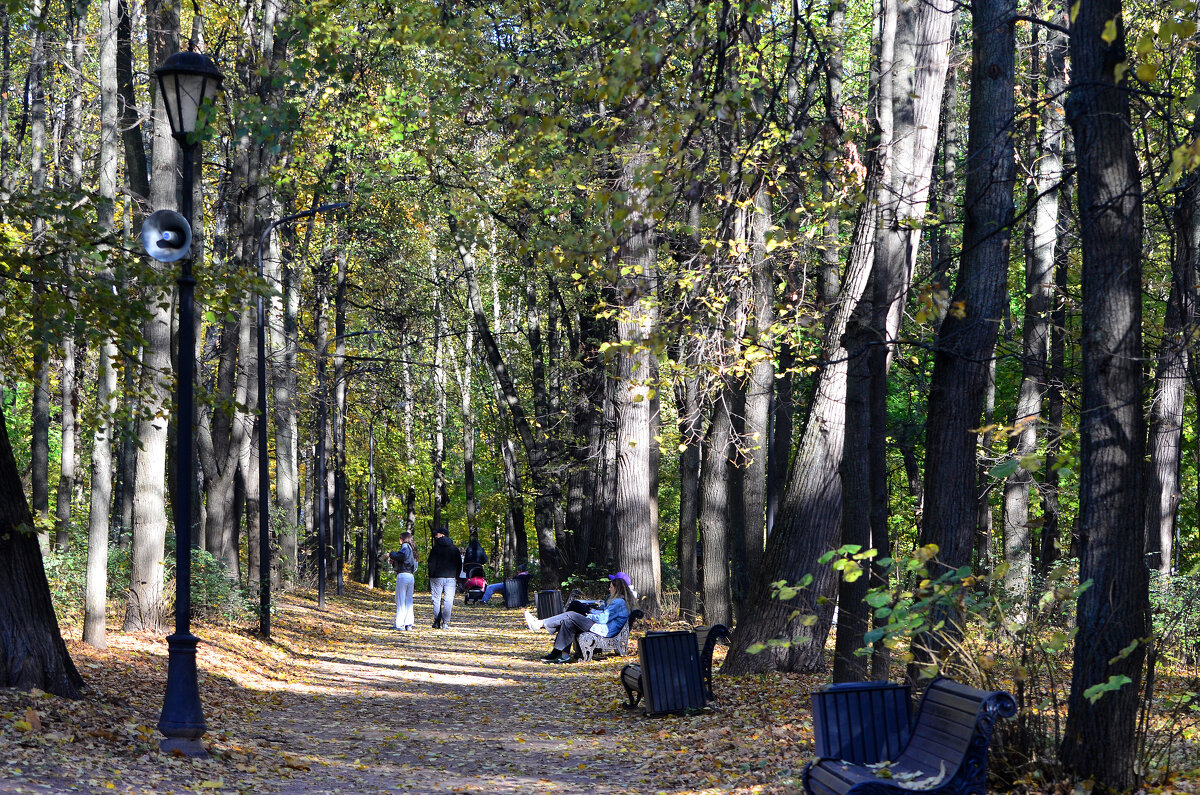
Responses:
[1110,31]
[1075,10]
[1119,72]
[1147,72]
[23,726]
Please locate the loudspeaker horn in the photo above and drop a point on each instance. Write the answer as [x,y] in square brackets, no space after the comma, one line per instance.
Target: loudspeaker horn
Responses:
[166,235]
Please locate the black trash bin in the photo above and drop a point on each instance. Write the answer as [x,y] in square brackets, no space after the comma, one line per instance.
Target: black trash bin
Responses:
[671,676]
[516,592]
[549,603]
[861,722]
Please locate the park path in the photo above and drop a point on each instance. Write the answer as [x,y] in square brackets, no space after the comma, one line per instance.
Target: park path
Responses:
[469,709]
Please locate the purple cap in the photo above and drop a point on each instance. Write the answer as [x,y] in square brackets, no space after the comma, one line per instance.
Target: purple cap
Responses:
[620,575]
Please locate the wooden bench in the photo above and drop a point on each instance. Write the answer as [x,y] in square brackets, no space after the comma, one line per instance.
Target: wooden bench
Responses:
[588,643]
[945,753]
[706,642]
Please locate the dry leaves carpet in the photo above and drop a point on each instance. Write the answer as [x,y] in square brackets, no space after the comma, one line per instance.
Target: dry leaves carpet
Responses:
[339,702]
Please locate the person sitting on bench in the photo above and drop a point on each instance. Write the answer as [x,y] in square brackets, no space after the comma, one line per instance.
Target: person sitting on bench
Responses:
[498,587]
[605,620]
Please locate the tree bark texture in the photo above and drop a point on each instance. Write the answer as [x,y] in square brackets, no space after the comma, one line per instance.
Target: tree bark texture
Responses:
[1098,741]
[1164,489]
[1041,242]
[636,323]
[145,607]
[32,652]
[966,340]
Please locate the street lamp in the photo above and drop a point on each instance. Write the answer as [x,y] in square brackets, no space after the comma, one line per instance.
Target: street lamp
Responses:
[186,81]
[264,486]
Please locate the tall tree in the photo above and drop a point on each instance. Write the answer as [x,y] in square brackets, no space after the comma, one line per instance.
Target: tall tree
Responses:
[638,552]
[96,578]
[966,341]
[144,605]
[1041,240]
[810,518]
[1112,614]
[32,652]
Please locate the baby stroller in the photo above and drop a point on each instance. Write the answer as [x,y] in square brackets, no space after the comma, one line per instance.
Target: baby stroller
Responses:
[474,585]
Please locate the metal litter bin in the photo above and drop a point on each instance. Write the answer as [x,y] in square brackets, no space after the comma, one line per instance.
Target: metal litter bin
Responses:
[516,592]
[549,603]
[671,676]
[861,722]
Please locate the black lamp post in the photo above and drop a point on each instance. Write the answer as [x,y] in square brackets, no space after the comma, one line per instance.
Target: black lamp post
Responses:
[186,80]
[264,478]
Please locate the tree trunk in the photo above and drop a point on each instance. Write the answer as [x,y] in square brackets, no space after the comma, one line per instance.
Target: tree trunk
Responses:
[438,451]
[40,420]
[68,390]
[636,322]
[691,435]
[756,406]
[810,519]
[339,416]
[717,594]
[967,337]
[285,310]
[1049,546]
[1163,489]
[95,600]
[145,608]
[1041,241]
[1099,738]
[136,171]
[464,375]
[32,652]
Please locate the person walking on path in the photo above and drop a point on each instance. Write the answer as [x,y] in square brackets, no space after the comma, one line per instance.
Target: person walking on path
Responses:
[404,561]
[445,562]
[605,620]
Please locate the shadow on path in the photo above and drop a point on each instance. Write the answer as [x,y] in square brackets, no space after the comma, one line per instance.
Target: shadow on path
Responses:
[469,709]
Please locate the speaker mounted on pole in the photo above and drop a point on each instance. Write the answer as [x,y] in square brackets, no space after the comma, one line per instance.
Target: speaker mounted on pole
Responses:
[166,235]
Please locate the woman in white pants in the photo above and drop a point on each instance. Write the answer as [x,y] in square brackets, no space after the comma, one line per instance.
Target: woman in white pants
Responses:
[404,561]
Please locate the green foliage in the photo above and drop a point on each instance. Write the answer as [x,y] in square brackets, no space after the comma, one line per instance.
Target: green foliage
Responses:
[214,596]
[66,573]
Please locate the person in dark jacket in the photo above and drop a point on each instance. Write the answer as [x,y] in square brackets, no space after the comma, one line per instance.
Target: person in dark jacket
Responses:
[445,562]
[475,553]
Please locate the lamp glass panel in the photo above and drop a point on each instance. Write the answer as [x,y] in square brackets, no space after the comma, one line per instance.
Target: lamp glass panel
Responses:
[170,96]
[191,90]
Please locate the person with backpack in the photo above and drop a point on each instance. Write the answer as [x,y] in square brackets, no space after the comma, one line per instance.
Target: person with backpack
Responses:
[404,561]
[445,563]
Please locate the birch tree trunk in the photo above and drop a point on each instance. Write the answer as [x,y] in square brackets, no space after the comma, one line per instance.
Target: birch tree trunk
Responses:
[1041,241]
[145,608]
[95,600]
